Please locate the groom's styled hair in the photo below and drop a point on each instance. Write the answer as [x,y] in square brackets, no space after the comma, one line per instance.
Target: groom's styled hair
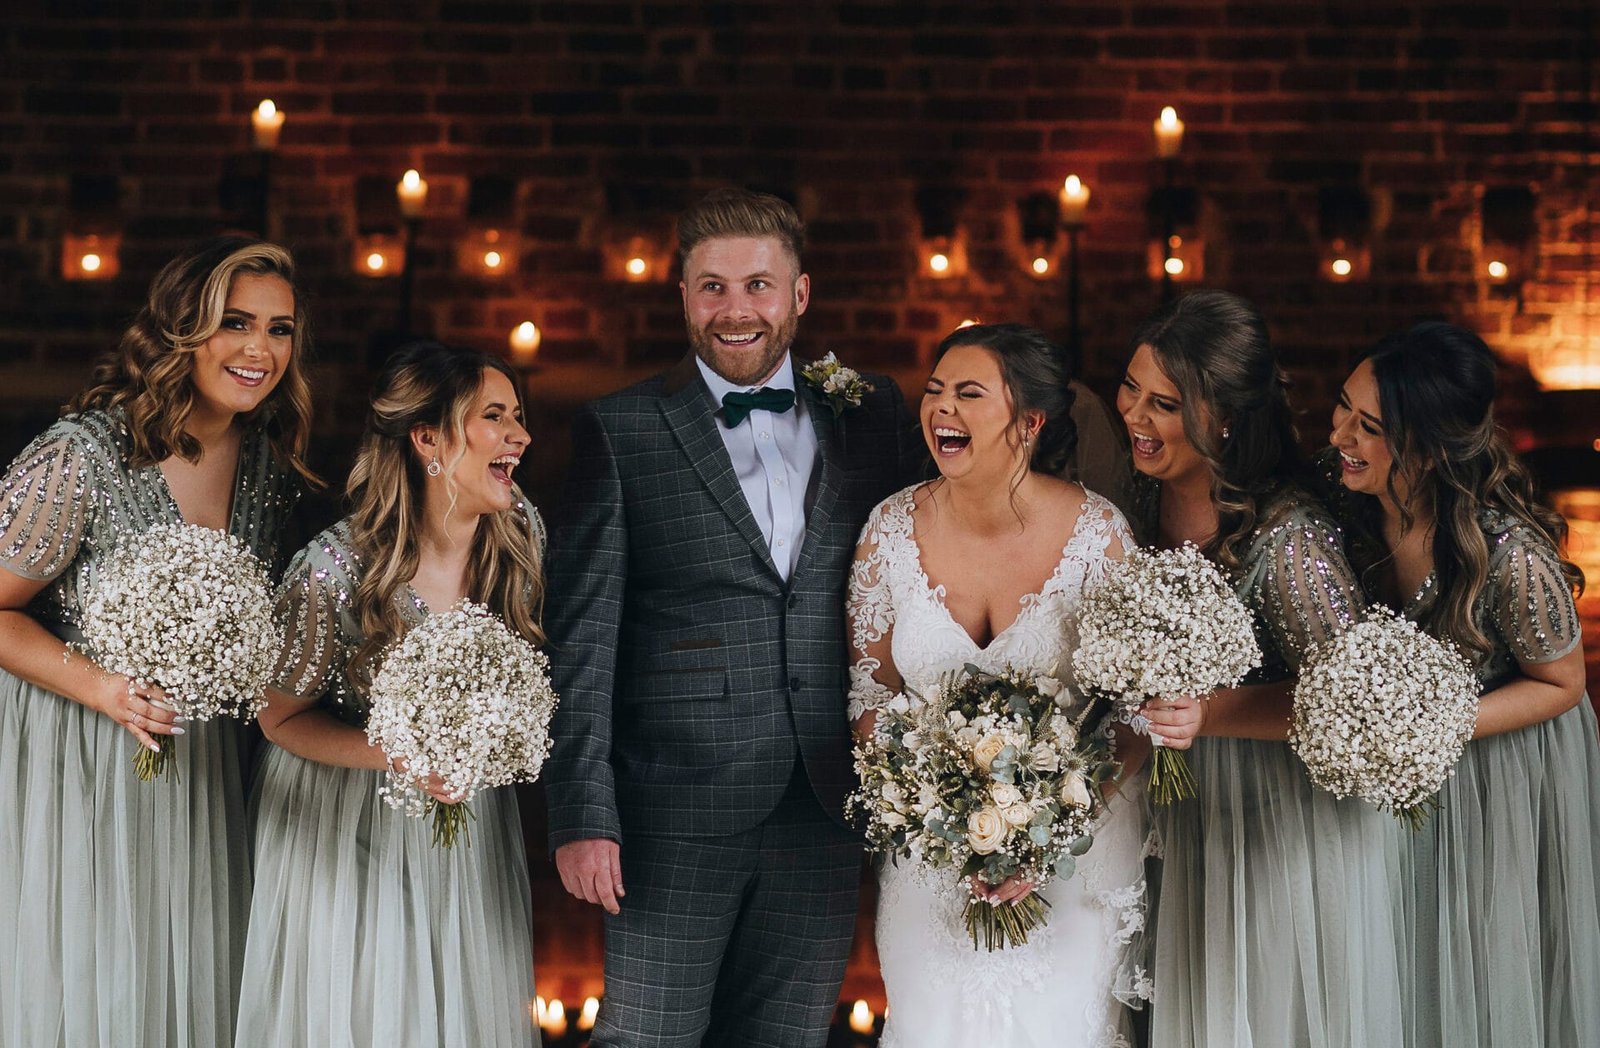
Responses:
[740,213]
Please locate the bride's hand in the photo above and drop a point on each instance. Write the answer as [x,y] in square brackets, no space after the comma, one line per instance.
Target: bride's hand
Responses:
[1177,719]
[862,726]
[1011,889]
[433,786]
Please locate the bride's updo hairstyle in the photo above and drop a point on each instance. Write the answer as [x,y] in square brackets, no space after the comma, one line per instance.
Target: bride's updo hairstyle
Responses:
[1213,346]
[1034,370]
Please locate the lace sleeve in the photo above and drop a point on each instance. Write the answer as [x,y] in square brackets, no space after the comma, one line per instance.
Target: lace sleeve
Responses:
[1532,602]
[1309,593]
[45,506]
[308,613]
[869,612]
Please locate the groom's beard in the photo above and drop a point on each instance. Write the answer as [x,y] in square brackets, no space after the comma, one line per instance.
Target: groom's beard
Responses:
[745,367]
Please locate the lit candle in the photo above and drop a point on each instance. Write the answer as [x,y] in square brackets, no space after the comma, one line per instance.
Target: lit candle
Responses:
[1169,134]
[412,191]
[89,263]
[861,1017]
[939,263]
[636,268]
[555,1018]
[267,120]
[525,339]
[377,262]
[1499,270]
[1074,201]
[1341,267]
[591,1009]
[492,259]
[1040,266]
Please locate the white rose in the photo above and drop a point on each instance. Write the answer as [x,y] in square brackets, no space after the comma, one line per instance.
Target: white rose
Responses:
[987,749]
[1045,758]
[986,830]
[1004,795]
[1047,686]
[1017,814]
[892,819]
[1075,790]
[894,794]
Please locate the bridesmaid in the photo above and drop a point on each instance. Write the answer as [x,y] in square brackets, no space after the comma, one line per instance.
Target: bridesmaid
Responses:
[123,903]
[1507,908]
[361,930]
[1276,918]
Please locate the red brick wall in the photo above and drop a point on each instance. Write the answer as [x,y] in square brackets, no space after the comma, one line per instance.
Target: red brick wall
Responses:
[609,115]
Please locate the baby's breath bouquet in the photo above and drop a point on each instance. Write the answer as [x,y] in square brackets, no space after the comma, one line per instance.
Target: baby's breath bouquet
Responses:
[990,775]
[1163,622]
[189,610]
[462,697]
[1383,712]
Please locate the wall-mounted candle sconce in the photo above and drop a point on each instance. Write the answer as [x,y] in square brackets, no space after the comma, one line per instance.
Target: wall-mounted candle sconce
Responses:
[377,255]
[491,246]
[1176,252]
[1039,216]
[1509,239]
[91,244]
[942,249]
[637,256]
[1344,233]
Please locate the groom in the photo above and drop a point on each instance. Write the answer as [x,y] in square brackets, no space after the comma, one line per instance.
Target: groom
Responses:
[696,624]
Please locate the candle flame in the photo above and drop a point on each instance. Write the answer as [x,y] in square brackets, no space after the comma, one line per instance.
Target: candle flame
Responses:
[939,263]
[1169,118]
[591,1009]
[492,259]
[861,1017]
[267,109]
[411,180]
[1341,267]
[1041,265]
[376,261]
[636,266]
[1498,269]
[968,322]
[1073,186]
[89,262]
[1174,266]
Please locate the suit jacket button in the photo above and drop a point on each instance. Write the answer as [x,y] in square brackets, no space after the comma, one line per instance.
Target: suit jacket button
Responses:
[794,683]
[794,600]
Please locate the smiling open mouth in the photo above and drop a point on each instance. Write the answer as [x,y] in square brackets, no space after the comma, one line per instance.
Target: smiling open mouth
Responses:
[737,338]
[249,376]
[950,441]
[1147,447]
[1351,464]
[501,468]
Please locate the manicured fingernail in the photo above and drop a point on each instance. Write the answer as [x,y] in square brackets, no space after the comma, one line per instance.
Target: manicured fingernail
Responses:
[164,705]
[153,747]
[177,731]
[179,720]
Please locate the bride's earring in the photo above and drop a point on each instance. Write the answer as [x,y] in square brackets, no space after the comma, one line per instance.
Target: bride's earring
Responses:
[434,469]
[1224,432]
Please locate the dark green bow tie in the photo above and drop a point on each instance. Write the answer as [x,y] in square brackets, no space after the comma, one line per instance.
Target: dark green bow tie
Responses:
[736,407]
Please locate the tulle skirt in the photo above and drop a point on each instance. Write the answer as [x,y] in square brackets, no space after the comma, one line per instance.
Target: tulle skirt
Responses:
[1279,919]
[123,903]
[362,932]
[1506,894]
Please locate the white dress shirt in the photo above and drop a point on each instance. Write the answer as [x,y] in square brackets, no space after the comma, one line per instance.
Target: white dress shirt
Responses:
[773,455]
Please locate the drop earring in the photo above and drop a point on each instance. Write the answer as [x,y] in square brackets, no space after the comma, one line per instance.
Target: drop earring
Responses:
[434,469]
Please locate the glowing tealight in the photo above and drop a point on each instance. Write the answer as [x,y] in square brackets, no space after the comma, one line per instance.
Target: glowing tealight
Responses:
[636,266]
[1341,267]
[1174,266]
[89,263]
[939,263]
[492,259]
[1498,269]
[376,261]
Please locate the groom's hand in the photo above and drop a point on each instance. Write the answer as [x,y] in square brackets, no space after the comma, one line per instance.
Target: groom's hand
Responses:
[592,871]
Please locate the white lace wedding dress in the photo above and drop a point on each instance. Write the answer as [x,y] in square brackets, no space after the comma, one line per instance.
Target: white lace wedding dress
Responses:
[1071,985]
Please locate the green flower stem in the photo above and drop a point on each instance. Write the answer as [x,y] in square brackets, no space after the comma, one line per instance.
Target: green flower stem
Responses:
[451,822]
[151,764]
[1170,778]
[998,925]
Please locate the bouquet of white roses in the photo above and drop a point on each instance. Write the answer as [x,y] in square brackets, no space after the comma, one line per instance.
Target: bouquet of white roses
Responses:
[189,610]
[1383,712]
[1163,622]
[462,697]
[992,775]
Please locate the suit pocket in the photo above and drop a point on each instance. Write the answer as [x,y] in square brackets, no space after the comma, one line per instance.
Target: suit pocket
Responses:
[698,684]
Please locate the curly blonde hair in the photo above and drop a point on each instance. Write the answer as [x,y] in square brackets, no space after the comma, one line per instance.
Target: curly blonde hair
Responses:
[150,373]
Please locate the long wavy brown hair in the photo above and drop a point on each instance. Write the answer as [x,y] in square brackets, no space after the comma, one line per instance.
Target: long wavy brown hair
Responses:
[1213,345]
[426,384]
[1436,386]
[150,373]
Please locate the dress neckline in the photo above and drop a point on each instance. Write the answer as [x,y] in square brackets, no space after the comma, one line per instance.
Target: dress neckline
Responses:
[1027,602]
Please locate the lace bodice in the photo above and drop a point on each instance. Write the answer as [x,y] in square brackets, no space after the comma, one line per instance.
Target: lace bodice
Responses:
[896,613]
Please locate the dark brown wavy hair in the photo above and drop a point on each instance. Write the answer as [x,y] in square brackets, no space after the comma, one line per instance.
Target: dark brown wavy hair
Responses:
[150,373]
[1213,345]
[429,384]
[1436,386]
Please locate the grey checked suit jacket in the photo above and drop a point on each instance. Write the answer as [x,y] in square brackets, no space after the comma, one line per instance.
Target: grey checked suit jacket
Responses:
[690,673]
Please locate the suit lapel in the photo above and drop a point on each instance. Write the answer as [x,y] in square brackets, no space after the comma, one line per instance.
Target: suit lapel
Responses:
[821,509]
[689,414]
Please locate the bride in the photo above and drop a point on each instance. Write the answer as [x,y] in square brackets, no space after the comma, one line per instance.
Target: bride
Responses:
[986,565]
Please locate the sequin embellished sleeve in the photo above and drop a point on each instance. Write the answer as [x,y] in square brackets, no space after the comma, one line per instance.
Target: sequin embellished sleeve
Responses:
[308,613]
[1309,594]
[46,505]
[1530,599]
[869,613]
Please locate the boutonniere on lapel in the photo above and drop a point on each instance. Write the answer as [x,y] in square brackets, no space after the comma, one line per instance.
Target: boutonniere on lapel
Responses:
[836,385]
